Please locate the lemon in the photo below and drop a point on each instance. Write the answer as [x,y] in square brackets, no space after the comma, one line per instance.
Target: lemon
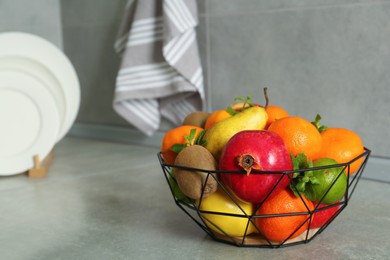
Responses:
[331,185]
[231,225]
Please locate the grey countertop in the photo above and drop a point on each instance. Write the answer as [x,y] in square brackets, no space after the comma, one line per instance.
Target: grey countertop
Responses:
[104,200]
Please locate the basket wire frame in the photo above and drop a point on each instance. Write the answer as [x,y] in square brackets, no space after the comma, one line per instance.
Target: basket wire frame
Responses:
[191,208]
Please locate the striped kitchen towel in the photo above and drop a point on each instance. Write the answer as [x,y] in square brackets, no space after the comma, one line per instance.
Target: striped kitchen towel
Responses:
[160,73]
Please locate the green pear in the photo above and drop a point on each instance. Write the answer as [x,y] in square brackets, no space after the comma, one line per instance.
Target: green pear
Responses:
[252,118]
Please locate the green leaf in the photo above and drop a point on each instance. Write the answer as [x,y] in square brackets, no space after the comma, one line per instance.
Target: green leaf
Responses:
[239,99]
[322,128]
[314,180]
[310,164]
[199,139]
[295,163]
[301,186]
[245,100]
[300,179]
[191,136]
[178,147]
[296,174]
[317,121]
[300,161]
[294,190]
[231,111]
[308,174]
[203,142]
[317,124]
[179,195]
[309,193]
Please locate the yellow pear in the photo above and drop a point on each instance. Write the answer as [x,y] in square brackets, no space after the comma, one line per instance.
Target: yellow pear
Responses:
[252,118]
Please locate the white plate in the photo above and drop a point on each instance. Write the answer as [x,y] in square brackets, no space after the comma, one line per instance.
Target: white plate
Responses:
[46,77]
[30,48]
[29,121]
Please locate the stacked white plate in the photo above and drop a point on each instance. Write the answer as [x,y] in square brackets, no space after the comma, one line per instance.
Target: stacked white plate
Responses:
[39,99]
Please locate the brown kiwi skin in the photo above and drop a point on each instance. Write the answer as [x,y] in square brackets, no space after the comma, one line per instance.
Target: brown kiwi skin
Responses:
[197,118]
[191,182]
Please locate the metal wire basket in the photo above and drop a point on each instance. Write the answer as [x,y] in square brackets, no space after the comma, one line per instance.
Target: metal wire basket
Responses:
[256,238]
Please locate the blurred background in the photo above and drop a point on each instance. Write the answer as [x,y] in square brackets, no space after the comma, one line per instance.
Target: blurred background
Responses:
[315,56]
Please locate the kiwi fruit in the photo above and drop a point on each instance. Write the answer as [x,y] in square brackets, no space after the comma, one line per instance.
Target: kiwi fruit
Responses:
[179,195]
[192,182]
[197,118]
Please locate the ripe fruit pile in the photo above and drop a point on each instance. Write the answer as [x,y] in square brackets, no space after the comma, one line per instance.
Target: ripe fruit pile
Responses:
[254,170]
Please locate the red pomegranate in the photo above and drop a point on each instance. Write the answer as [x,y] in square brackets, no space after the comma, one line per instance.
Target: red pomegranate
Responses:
[260,150]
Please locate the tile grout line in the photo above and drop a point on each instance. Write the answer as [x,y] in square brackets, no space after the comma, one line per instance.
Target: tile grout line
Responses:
[208,62]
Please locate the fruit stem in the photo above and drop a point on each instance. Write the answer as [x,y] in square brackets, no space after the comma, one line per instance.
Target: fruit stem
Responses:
[266,98]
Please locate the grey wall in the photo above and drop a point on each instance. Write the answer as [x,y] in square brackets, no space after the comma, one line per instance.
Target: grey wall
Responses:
[40,17]
[315,56]
[319,56]
[89,30]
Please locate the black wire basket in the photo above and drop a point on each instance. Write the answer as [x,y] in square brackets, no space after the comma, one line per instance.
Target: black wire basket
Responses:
[245,220]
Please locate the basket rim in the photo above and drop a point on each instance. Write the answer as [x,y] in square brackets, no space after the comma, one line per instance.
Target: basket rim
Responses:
[365,153]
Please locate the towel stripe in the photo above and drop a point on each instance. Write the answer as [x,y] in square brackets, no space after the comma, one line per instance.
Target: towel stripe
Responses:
[140,80]
[149,76]
[182,11]
[145,110]
[145,37]
[197,78]
[146,31]
[144,71]
[185,108]
[177,47]
[121,42]
[179,15]
[147,24]
[149,85]
[145,67]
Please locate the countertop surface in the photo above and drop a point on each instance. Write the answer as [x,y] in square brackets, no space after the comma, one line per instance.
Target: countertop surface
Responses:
[103,200]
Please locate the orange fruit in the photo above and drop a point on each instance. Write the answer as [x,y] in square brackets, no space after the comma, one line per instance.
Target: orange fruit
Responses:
[176,136]
[342,145]
[274,113]
[299,135]
[280,228]
[215,117]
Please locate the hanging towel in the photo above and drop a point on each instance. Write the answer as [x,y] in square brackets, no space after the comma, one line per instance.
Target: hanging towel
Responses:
[160,74]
